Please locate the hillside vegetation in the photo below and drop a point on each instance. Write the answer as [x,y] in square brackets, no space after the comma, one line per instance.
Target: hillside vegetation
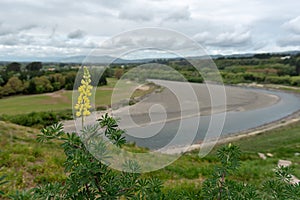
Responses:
[27,163]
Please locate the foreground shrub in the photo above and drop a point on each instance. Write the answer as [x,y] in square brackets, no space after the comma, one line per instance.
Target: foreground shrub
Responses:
[88,178]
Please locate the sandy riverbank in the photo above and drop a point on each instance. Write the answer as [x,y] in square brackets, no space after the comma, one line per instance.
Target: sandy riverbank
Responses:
[183,100]
[237,99]
[180,100]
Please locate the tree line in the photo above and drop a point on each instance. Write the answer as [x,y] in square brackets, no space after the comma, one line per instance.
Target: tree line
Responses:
[32,79]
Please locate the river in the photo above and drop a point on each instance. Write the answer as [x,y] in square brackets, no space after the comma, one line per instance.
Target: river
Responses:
[234,122]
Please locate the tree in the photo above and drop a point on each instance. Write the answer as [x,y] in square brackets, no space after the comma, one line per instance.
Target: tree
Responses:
[13,86]
[1,80]
[42,84]
[95,74]
[34,66]
[70,78]
[31,89]
[102,81]
[1,92]
[14,66]
[119,73]
[57,80]
[298,66]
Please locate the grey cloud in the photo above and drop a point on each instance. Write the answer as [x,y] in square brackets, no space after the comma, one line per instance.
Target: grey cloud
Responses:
[16,39]
[110,3]
[53,31]
[27,27]
[135,14]
[6,29]
[44,26]
[179,14]
[291,40]
[78,34]
[293,25]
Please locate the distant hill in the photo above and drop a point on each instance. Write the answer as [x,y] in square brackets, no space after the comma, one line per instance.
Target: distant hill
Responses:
[109,59]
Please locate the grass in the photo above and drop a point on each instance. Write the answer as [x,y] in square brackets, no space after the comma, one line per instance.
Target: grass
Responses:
[62,100]
[28,163]
[283,143]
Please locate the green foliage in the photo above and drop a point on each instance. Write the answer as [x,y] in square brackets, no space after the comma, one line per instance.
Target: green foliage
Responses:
[42,84]
[232,78]
[15,84]
[153,72]
[21,195]
[285,80]
[37,81]
[295,81]
[69,80]
[119,73]
[57,80]
[281,188]
[34,66]
[88,178]
[219,186]
[14,66]
[195,79]
[86,174]
[38,119]
[2,181]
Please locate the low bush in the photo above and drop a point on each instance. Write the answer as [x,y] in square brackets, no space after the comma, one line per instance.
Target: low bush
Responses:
[38,119]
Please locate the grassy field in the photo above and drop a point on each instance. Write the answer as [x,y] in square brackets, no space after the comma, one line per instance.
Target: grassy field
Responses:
[62,100]
[283,143]
[28,163]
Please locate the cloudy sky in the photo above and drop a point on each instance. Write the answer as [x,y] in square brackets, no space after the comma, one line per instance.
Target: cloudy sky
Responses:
[58,28]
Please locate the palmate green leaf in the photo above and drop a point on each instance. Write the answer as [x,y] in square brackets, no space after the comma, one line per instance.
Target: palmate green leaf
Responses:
[89,178]
[48,191]
[131,166]
[284,173]
[155,184]
[51,132]
[293,191]
[2,181]
[230,157]
[89,132]
[107,121]
[281,188]
[22,195]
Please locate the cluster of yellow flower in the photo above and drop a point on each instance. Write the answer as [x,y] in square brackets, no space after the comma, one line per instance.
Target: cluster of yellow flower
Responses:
[83,102]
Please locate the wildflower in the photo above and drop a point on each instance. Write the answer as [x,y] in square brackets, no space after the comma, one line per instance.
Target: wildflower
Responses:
[83,102]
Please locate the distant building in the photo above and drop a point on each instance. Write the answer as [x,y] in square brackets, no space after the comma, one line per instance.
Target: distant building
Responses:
[75,67]
[285,57]
[51,69]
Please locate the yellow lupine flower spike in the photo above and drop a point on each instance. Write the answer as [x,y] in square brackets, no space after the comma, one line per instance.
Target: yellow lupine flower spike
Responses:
[83,102]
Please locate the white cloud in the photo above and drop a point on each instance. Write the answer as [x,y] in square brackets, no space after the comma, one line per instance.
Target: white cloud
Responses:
[238,37]
[291,38]
[60,27]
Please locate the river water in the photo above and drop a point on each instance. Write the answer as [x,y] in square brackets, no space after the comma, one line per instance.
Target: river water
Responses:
[234,122]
